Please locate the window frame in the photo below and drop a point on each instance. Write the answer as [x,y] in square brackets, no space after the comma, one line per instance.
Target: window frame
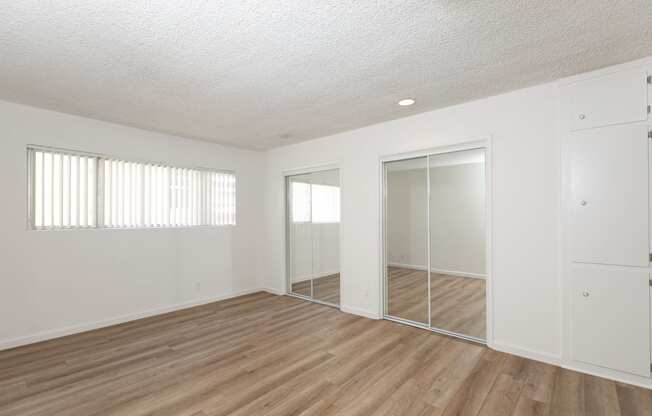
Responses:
[30,150]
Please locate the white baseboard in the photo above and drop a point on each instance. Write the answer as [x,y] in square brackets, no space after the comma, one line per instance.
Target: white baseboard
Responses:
[610,374]
[273,291]
[527,353]
[440,271]
[579,367]
[359,311]
[75,329]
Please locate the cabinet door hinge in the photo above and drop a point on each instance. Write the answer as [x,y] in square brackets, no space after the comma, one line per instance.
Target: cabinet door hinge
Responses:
[649,135]
[650,261]
[649,79]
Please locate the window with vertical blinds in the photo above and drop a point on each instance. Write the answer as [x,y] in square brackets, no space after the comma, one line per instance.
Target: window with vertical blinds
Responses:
[74,190]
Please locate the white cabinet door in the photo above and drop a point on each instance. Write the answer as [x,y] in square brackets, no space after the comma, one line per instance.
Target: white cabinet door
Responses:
[609,196]
[610,99]
[611,319]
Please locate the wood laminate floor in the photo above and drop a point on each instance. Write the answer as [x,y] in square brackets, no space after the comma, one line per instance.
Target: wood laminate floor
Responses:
[457,303]
[262,354]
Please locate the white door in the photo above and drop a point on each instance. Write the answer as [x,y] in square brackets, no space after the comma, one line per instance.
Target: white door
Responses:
[611,99]
[609,196]
[611,319]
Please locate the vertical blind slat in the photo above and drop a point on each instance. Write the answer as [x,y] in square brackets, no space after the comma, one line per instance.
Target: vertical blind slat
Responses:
[60,190]
[42,189]
[114,193]
[186,200]
[92,193]
[51,191]
[159,196]
[69,189]
[134,194]
[173,197]
[107,192]
[77,190]
[83,198]
[166,196]
[42,202]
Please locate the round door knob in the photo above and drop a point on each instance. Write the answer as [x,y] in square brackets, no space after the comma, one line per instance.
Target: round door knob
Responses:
[583,203]
[585,294]
[582,116]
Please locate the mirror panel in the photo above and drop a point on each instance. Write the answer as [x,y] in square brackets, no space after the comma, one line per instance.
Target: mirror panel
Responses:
[406,239]
[457,242]
[326,236]
[300,254]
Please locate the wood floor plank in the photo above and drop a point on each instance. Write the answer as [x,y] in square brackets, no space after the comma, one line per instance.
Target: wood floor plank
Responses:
[634,401]
[469,398]
[601,397]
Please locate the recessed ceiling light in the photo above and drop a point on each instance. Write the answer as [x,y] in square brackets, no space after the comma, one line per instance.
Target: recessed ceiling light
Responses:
[406,101]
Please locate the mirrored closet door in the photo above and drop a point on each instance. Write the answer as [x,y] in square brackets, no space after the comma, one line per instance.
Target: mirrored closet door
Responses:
[407,235]
[313,236]
[435,237]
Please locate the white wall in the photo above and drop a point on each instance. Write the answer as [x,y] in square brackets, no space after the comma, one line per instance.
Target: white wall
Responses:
[457,216]
[54,282]
[526,164]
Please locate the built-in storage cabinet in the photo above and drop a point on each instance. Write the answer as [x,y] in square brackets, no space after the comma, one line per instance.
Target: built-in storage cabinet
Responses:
[611,99]
[609,195]
[607,192]
[611,318]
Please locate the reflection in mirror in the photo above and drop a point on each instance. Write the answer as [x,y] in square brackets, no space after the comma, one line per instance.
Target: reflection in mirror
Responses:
[313,234]
[406,239]
[300,235]
[457,242]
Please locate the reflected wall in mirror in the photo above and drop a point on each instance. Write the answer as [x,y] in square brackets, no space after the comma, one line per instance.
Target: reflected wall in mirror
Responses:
[313,230]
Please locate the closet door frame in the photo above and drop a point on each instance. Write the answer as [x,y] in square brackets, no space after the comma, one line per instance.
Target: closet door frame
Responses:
[286,174]
[469,144]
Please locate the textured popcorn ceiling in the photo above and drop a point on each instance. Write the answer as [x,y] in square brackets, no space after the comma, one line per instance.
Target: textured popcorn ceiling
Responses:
[260,74]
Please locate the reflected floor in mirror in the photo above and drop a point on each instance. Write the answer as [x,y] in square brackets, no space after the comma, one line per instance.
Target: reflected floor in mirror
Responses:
[326,289]
[457,304]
